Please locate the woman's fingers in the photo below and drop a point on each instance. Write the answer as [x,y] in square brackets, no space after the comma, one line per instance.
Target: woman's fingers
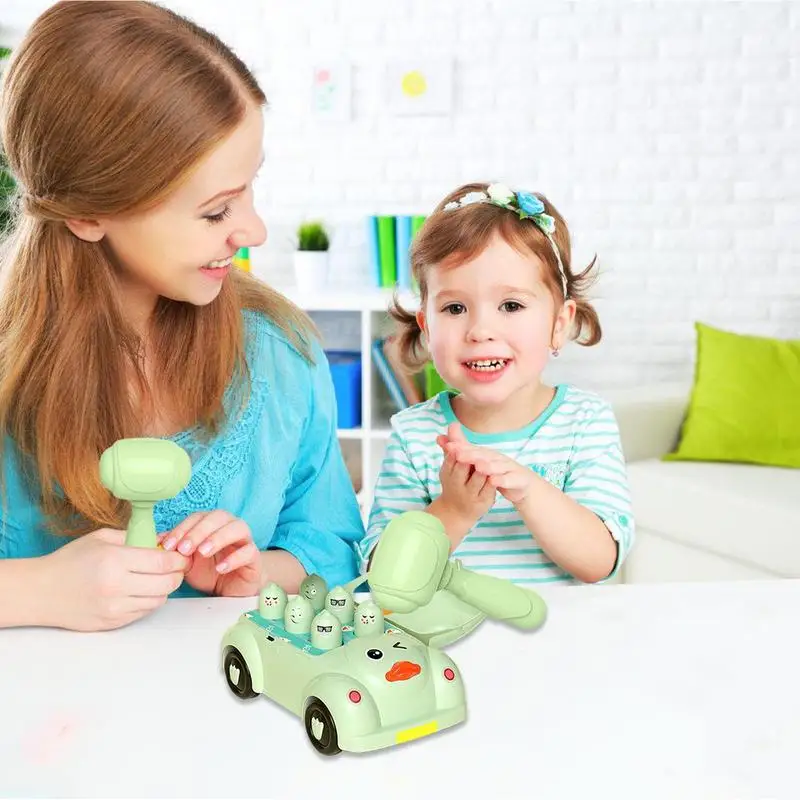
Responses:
[247,554]
[195,529]
[237,530]
[171,538]
[154,586]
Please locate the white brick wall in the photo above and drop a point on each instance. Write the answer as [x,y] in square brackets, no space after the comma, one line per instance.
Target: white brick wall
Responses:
[667,133]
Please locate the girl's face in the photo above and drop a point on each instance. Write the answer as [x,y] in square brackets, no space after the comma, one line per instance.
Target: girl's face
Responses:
[182,249]
[491,322]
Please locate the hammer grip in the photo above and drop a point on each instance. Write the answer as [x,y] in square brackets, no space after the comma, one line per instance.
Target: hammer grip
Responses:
[141,530]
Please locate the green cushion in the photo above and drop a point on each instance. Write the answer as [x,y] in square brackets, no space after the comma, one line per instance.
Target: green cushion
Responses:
[745,403]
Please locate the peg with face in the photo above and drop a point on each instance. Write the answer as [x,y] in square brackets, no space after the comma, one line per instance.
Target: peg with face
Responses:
[368,619]
[298,614]
[326,631]
[314,589]
[340,603]
[272,601]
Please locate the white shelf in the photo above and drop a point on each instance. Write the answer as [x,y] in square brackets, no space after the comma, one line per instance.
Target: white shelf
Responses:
[360,433]
[370,306]
[349,299]
[350,433]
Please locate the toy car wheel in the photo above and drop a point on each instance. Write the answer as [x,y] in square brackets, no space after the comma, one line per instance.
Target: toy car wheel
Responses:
[237,674]
[321,729]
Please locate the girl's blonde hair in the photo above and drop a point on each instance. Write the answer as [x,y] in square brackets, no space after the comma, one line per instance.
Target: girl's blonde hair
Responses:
[450,238]
[107,108]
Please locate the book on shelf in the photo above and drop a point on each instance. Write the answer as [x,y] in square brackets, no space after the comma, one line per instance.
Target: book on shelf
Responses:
[408,382]
[389,239]
[405,388]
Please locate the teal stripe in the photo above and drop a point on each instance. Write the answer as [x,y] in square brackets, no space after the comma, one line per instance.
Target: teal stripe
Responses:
[393,510]
[549,579]
[599,479]
[543,565]
[397,498]
[549,451]
[593,492]
[580,437]
[411,479]
[512,523]
[391,486]
[509,538]
[393,462]
[530,551]
[607,465]
[572,422]
[593,439]
[601,509]
[423,431]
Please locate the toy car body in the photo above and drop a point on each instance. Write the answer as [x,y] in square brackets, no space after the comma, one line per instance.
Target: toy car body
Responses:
[370,692]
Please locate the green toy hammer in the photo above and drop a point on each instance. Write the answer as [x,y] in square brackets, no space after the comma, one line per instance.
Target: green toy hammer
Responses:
[411,562]
[144,471]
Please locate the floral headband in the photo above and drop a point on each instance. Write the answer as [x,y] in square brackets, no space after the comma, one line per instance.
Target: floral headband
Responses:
[525,204]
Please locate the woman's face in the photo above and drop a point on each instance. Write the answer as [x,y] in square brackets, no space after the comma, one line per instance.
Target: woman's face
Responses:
[182,249]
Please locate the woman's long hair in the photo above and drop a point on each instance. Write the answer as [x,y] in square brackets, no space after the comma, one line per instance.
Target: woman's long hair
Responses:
[106,108]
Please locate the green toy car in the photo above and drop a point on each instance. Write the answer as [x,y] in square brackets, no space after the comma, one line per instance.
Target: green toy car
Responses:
[358,682]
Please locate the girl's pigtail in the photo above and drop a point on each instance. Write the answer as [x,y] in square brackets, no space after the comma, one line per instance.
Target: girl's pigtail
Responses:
[409,336]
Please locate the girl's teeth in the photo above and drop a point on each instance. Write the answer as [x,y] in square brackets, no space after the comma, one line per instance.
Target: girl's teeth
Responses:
[225,262]
[487,365]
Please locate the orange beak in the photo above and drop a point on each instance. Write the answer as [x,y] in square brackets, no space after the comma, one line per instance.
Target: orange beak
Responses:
[402,671]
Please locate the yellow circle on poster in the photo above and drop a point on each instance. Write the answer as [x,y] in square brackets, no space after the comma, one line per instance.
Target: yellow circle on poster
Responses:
[414,84]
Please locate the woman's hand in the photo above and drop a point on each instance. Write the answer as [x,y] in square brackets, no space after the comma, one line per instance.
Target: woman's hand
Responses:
[223,558]
[97,582]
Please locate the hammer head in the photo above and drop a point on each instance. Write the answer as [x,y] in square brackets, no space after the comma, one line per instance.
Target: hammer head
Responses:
[145,469]
[409,562]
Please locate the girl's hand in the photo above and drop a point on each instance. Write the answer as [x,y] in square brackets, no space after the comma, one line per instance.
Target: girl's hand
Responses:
[97,582]
[466,494]
[223,558]
[511,479]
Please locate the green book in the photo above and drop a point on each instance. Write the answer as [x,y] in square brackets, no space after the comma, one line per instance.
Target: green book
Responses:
[416,223]
[387,250]
[433,381]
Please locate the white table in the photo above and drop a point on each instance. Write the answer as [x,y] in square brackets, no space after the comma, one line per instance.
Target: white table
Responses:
[628,691]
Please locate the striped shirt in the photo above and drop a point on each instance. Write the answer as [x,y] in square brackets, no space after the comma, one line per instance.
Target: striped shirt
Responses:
[574,444]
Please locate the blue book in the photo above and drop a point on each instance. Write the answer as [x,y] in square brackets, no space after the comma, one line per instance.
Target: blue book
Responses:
[388,376]
[374,252]
[403,239]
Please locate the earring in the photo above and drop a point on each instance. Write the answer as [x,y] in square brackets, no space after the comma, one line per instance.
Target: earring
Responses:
[555,352]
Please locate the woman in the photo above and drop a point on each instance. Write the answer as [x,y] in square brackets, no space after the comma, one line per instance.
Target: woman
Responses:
[134,136]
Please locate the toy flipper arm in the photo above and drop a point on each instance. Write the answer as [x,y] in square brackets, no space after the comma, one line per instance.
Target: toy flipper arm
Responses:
[354,584]
[497,598]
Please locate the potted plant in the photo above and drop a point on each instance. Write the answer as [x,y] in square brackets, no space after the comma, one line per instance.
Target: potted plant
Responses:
[7,190]
[7,185]
[311,256]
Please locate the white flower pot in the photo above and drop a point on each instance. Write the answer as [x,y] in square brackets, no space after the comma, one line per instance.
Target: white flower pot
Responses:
[311,270]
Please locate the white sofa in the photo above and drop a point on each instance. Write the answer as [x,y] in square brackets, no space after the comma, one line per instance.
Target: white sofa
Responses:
[700,521]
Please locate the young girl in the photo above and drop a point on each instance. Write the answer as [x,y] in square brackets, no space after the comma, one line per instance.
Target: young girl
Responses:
[528,479]
[134,137]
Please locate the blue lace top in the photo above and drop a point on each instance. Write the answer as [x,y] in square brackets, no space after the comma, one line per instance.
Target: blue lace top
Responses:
[277,466]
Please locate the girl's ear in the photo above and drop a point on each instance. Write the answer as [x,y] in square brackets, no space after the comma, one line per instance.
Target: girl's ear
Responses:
[563,323]
[89,230]
[421,321]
